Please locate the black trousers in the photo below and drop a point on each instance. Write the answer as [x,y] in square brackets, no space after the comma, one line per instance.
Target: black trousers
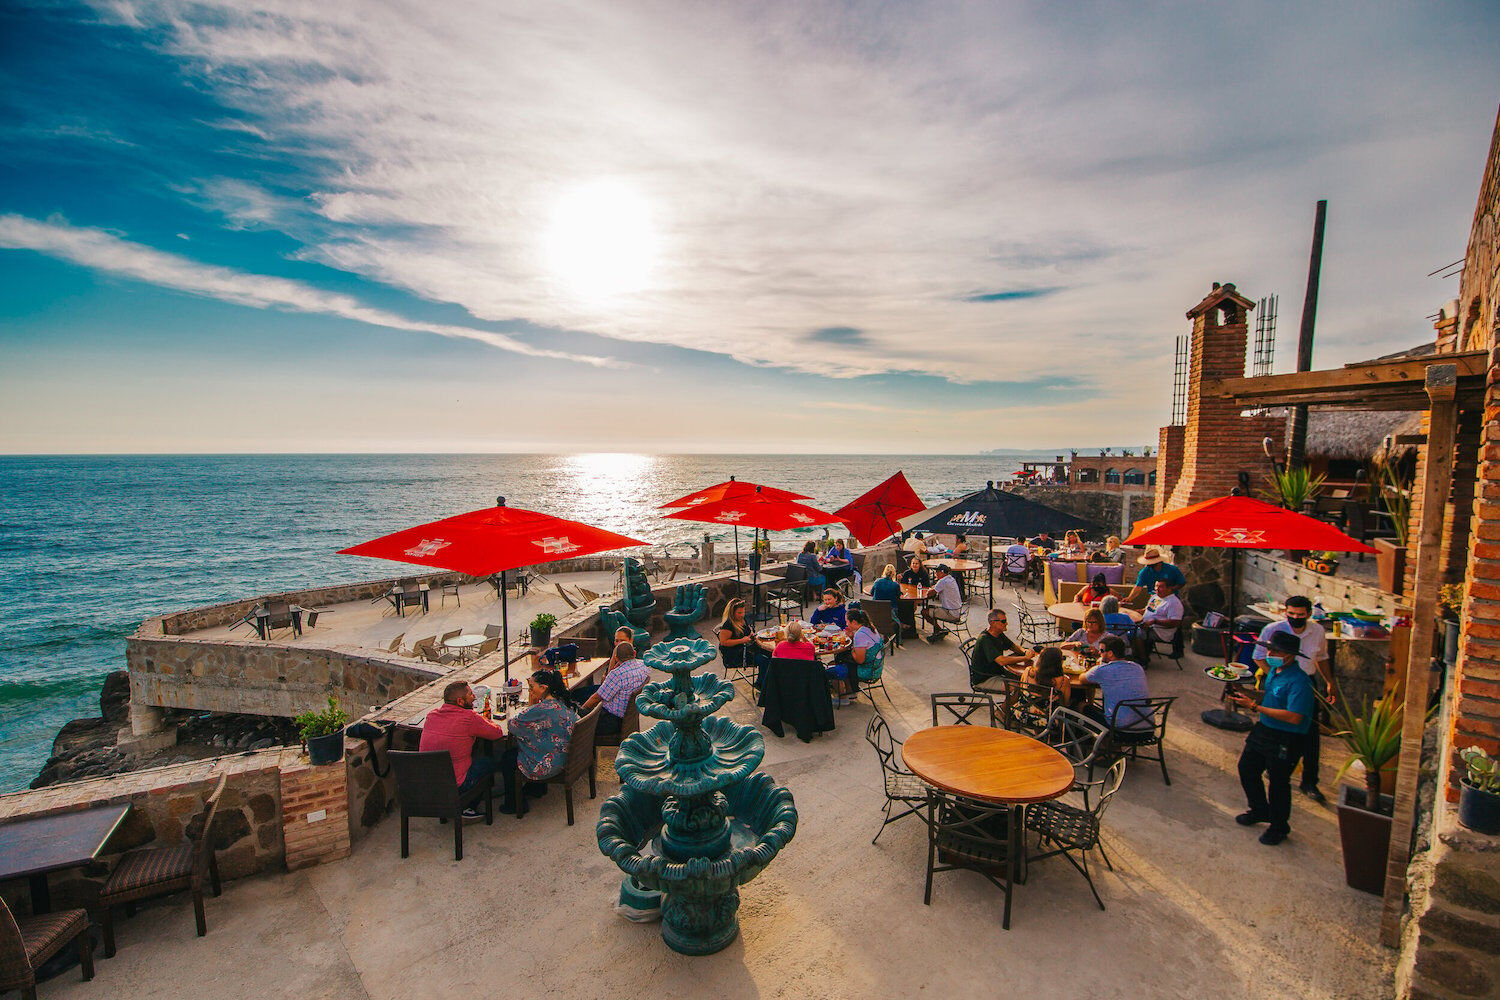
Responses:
[1266,773]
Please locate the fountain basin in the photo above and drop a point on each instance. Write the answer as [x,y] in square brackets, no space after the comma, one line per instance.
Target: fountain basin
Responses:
[647,763]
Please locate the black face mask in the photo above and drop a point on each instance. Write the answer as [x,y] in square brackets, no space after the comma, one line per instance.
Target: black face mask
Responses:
[1296,622]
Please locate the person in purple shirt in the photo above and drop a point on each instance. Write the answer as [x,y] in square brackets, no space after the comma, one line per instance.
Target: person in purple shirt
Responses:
[1119,679]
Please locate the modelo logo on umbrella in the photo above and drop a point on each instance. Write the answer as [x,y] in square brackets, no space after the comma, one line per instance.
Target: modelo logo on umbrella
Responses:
[968,519]
[556,546]
[428,547]
[1239,536]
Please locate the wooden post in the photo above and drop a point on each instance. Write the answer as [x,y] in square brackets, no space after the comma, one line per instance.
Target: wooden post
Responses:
[1442,385]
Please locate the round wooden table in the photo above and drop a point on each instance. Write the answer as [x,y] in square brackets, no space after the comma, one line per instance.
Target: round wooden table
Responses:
[957,564]
[1073,611]
[992,765]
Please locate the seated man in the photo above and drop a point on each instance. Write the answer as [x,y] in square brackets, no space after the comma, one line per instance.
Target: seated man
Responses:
[619,687]
[995,656]
[1118,679]
[1044,540]
[1154,566]
[831,611]
[950,606]
[1161,620]
[454,726]
[916,544]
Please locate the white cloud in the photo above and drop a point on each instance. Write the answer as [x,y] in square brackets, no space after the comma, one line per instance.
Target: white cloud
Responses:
[824,165]
[109,253]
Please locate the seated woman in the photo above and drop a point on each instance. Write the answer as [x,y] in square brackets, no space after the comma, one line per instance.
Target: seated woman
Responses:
[539,736]
[1092,633]
[735,638]
[796,645]
[1114,549]
[1115,620]
[845,668]
[837,562]
[832,610]
[916,574]
[961,546]
[808,560]
[1073,544]
[1048,672]
[1097,591]
[886,588]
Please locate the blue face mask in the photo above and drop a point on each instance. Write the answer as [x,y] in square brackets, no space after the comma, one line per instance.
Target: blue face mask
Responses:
[1275,661]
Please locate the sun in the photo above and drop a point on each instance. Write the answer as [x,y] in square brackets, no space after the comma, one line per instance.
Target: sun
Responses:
[601,240]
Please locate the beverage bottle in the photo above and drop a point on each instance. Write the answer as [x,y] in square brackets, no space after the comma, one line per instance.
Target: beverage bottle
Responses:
[488,711]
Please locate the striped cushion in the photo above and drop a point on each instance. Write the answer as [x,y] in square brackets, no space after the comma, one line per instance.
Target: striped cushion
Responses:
[142,873]
[44,936]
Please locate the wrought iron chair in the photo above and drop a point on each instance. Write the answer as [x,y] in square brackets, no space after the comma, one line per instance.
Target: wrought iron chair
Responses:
[1084,742]
[791,595]
[903,790]
[1073,832]
[1035,627]
[27,943]
[160,871]
[580,762]
[965,708]
[1130,742]
[966,834]
[1027,707]
[426,787]
[1150,643]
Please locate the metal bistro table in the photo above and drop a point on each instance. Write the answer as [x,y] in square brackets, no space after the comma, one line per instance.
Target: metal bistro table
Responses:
[465,644]
[31,848]
[991,765]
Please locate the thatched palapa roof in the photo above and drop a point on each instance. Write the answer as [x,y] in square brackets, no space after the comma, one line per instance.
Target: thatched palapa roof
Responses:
[1357,435]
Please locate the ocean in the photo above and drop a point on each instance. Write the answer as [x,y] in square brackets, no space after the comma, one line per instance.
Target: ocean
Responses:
[92,545]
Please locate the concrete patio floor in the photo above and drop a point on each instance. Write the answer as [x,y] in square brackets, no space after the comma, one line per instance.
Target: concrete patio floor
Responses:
[1196,906]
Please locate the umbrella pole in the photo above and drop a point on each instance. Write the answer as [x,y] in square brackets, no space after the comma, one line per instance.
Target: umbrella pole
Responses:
[991,588]
[504,628]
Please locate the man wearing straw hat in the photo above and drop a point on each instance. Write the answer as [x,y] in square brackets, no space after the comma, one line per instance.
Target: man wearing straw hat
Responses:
[1154,566]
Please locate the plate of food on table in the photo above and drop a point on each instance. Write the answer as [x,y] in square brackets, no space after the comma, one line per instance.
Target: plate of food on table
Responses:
[1220,672]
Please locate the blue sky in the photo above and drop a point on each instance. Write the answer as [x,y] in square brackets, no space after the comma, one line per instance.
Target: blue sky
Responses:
[715,227]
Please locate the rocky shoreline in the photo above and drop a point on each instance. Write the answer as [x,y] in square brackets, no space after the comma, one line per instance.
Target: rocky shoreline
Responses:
[87,748]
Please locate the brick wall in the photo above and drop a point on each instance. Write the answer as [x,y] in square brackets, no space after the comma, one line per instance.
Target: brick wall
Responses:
[1169,463]
[314,814]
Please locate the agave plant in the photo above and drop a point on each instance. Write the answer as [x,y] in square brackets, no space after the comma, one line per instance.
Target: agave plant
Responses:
[1372,733]
[1293,487]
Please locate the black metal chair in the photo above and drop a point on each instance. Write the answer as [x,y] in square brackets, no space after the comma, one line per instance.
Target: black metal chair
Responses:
[1084,742]
[1027,707]
[1072,831]
[965,708]
[1129,742]
[27,943]
[160,871]
[426,787]
[1150,643]
[1035,626]
[580,762]
[281,614]
[966,834]
[903,790]
[791,595]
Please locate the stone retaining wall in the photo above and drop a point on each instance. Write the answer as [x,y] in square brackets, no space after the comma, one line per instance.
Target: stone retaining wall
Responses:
[166,803]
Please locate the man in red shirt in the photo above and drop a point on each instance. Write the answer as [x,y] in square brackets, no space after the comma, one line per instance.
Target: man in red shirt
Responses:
[454,726]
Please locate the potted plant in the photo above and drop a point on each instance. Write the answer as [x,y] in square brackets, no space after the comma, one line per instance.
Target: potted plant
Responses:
[541,629]
[1450,609]
[1372,733]
[1293,488]
[1479,791]
[323,732]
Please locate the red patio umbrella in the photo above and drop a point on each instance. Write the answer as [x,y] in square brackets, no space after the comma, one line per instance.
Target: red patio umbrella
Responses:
[492,540]
[1237,522]
[872,517]
[757,510]
[731,489]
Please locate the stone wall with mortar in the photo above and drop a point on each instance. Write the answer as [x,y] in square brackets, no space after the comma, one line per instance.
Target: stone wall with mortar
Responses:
[167,803]
[253,678]
[1110,512]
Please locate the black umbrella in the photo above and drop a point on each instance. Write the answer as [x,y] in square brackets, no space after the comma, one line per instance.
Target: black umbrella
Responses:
[992,513]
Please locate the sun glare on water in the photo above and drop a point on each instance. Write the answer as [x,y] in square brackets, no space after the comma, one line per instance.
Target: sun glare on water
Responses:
[601,240]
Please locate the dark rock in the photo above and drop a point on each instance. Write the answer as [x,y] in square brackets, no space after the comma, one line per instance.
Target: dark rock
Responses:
[263,744]
[229,829]
[263,807]
[1457,972]
[114,698]
[375,807]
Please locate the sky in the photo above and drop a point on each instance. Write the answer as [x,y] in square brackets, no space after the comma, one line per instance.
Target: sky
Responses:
[598,225]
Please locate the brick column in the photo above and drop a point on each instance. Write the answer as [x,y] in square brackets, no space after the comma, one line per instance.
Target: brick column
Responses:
[314,813]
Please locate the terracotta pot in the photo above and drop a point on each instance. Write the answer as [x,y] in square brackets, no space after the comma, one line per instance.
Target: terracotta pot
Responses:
[1366,840]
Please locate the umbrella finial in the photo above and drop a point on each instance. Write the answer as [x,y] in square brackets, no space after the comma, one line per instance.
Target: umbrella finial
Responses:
[499,501]
[989,484]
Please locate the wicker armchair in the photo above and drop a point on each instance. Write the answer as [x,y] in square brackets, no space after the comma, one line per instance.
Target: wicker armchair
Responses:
[28,942]
[580,762]
[160,871]
[426,787]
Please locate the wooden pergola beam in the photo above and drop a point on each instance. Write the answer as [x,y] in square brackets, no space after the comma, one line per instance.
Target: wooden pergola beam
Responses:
[1405,377]
[1441,385]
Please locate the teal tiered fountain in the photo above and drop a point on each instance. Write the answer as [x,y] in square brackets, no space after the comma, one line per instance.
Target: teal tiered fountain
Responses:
[692,820]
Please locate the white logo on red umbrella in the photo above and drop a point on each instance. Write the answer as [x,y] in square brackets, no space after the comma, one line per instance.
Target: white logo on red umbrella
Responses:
[556,546]
[1239,536]
[428,547]
[802,519]
[730,515]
